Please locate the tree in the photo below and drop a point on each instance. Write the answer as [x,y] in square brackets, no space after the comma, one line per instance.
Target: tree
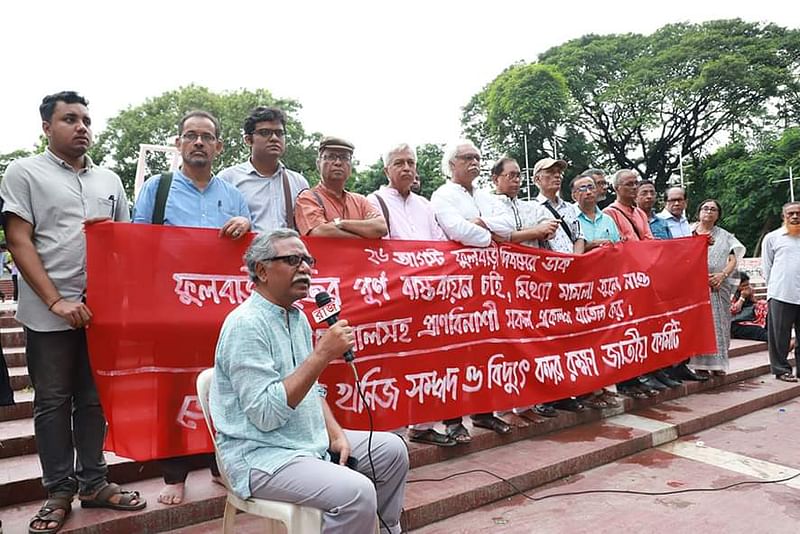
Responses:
[741,179]
[647,99]
[429,160]
[156,122]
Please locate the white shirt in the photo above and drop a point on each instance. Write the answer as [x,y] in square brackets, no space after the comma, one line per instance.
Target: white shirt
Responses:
[569,214]
[454,207]
[780,263]
[505,215]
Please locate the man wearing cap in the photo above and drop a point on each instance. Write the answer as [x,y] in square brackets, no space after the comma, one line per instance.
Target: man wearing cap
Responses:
[269,188]
[327,209]
[460,217]
[547,175]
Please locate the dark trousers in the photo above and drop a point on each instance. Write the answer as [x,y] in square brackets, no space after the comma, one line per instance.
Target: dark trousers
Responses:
[782,317]
[6,393]
[748,331]
[67,416]
[457,420]
[174,470]
[15,282]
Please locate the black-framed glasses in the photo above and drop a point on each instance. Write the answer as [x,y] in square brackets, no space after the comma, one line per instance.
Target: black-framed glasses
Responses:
[332,156]
[194,136]
[675,200]
[269,132]
[512,175]
[295,259]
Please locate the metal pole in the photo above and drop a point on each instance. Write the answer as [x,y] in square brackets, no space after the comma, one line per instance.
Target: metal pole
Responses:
[791,185]
[527,166]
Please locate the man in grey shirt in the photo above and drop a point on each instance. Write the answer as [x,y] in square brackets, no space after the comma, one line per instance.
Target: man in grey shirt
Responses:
[47,200]
[269,188]
[780,263]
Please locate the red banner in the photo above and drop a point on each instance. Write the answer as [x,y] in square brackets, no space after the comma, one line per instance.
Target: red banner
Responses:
[441,329]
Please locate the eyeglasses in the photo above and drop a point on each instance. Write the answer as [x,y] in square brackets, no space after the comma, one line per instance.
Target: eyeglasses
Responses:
[675,200]
[512,175]
[469,157]
[344,158]
[269,132]
[586,187]
[193,136]
[709,208]
[295,259]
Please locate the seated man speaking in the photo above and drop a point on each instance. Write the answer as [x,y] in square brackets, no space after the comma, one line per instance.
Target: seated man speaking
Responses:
[274,428]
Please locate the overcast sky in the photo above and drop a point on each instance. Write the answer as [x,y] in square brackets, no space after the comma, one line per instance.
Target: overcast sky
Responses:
[375,72]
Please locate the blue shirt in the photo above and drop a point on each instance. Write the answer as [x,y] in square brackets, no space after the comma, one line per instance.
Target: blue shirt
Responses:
[659,227]
[189,206]
[603,227]
[259,345]
[678,227]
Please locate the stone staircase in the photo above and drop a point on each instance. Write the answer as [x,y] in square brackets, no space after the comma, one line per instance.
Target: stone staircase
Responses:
[532,455]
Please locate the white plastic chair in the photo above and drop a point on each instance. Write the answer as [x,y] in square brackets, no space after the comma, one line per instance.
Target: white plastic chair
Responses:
[297,519]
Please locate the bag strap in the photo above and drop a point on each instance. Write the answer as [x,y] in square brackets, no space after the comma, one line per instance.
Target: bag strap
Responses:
[287,198]
[385,211]
[160,206]
[633,225]
[558,216]
[319,201]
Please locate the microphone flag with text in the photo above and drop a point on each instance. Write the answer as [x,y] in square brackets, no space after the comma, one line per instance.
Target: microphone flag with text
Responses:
[328,311]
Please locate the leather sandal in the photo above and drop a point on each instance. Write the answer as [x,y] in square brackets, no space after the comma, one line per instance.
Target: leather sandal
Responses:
[102,499]
[786,377]
[492,423]
[430,436]
[459,433]
[48,513]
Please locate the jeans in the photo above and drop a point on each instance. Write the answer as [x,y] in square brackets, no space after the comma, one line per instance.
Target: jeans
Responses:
[67,415]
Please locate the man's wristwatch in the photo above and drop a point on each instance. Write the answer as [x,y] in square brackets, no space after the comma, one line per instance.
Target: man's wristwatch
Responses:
[337,222]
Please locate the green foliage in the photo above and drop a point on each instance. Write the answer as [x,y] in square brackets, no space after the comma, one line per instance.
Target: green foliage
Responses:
[429,160]
[156,122]
[8,157]
[741,180]
[645,99]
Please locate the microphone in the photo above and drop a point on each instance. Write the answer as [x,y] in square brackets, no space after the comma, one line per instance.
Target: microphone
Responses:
[328,311]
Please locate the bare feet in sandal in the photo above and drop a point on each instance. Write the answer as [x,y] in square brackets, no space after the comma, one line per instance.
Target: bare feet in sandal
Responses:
[51,516]
[172,493]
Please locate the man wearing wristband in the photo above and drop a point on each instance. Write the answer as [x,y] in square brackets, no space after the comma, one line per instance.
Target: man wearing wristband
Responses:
[47,200]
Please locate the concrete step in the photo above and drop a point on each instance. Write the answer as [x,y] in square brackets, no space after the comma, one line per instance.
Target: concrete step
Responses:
[17,438]
[23,407]
[8,321]
[564,445]
[12,337]
[15,356]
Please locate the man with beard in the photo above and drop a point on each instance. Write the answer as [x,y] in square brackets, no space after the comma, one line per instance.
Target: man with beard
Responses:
[459,215]
[780,263]
[275,432]
[327,209]
[47,200]
[192,197]
[269,188]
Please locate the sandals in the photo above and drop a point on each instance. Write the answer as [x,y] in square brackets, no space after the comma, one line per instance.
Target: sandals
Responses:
[596,402]
[102,499]
[459,433]
[431,437]
[48,514]
[786,377]
[492,423]
[632,391]
[611,398]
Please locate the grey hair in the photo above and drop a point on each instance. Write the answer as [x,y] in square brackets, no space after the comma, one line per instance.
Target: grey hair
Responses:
[262,248]
[679,188]
[621,173]
[402,147]
[450,152]
[591,173]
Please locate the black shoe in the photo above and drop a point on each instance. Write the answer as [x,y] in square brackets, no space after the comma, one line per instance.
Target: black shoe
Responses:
[652,383]
[665,379]
[545,410]
[569,405]
[684,373]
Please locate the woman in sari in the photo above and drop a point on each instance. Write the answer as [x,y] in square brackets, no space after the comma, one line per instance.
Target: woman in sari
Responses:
[724,251]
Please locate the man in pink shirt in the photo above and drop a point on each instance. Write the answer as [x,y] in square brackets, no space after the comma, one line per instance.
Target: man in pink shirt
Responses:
[631,221]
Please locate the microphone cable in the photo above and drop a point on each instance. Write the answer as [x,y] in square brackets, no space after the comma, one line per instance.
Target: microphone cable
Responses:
[374,477]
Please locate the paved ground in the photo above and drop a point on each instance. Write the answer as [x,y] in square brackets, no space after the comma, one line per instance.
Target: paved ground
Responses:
[757,447]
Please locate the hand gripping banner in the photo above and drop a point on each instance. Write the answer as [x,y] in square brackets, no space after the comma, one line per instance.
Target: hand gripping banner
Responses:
[441,329]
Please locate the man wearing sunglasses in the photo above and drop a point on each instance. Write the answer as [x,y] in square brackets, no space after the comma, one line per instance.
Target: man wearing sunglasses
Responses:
[195,198]
[327,209]
[275,431]
[268,186]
